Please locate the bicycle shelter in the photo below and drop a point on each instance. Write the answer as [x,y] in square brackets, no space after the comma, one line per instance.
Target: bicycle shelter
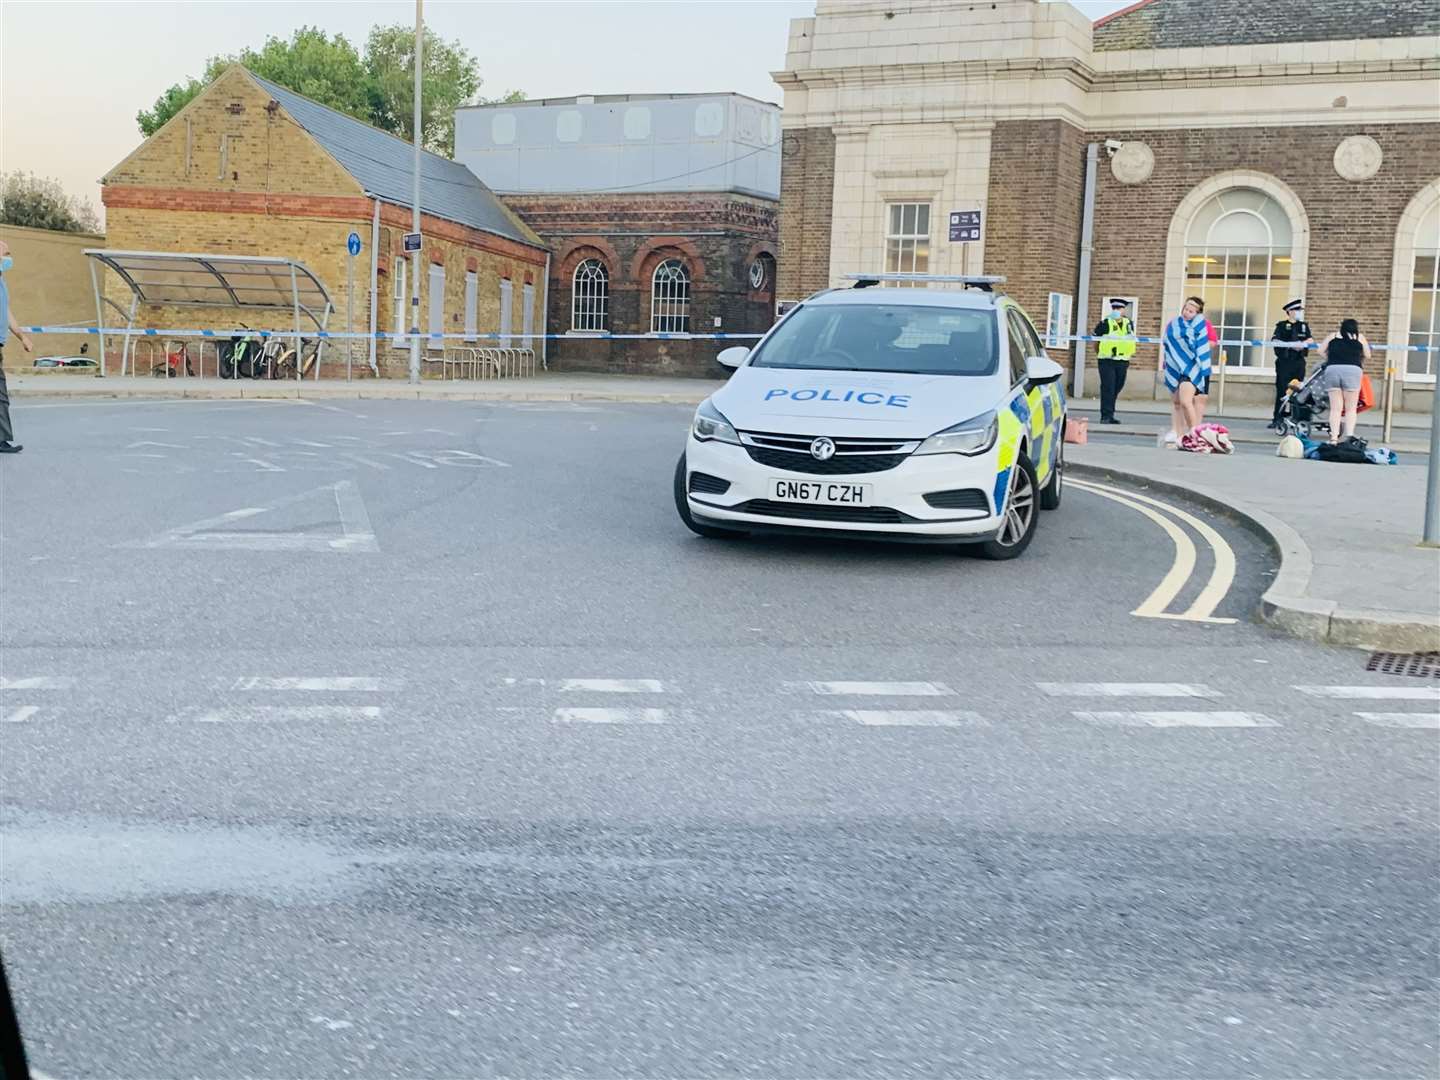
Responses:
[242,282]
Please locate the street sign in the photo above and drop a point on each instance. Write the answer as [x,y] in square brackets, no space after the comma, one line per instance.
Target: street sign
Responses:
[964,226]
[352,243]
[412,242]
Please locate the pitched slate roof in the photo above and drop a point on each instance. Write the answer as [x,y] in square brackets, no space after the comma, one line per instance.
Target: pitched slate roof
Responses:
[1178,24]
[382,163]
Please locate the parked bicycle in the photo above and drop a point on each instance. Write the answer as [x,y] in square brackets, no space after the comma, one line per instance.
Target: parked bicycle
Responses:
[176,354]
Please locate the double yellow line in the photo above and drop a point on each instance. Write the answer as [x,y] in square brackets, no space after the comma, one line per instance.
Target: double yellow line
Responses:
[1222,575]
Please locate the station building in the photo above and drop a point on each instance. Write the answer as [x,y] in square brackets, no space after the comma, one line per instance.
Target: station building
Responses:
[660,211]
[250,168]
[1248,153]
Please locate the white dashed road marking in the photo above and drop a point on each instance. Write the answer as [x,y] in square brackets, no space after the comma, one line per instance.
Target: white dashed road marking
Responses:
[614,686]
[609,716]
[1374,693]
[1176,719]
[879,689]
[19,715]
[1119,689]
[906,717]
[1401,719]
[356,683]
[38,682]
[270,714]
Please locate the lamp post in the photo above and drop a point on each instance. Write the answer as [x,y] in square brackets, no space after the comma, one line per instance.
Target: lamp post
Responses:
[415,201]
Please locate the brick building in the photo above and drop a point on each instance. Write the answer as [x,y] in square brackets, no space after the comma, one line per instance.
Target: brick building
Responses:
[250,168]
[660,211]
[1244,152]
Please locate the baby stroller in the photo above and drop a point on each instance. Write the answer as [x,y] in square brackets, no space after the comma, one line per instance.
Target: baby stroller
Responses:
[1305,408]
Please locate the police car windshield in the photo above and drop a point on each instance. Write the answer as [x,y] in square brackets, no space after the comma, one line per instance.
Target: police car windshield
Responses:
[895,338]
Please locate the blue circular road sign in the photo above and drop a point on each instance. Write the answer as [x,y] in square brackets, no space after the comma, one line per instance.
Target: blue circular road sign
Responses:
[352,244]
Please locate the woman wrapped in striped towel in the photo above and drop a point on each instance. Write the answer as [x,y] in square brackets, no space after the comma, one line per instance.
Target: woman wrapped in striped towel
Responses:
[1187,370]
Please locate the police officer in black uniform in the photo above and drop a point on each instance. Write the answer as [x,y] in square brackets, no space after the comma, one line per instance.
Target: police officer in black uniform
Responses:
[1289,363]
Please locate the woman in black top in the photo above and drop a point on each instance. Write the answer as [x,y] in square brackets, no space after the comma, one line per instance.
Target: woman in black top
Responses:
[1345,356]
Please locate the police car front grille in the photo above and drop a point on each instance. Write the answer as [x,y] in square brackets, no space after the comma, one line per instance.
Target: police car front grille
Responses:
[873,515]
[838,465]
[959,499]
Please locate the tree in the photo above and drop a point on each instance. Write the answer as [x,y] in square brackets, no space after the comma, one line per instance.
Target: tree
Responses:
[376,87]
[325,69]
[41,203]
[451,79]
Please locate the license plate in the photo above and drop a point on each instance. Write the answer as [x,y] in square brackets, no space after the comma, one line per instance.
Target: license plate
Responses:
[821,492]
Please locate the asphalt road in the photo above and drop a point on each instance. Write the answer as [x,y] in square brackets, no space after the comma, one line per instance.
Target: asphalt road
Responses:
[421,739]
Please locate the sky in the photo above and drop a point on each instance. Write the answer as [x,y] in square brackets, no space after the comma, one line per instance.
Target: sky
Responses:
[74,74]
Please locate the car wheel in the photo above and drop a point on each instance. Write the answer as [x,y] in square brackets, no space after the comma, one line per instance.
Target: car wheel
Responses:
[1021,512]
[682,504]
[1054,488]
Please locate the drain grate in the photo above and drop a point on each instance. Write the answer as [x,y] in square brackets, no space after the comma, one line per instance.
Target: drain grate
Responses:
[1425,665]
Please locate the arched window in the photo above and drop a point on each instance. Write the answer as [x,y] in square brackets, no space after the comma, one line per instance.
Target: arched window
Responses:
[590,306]
[1238,259]
[670,299]
[1424,326]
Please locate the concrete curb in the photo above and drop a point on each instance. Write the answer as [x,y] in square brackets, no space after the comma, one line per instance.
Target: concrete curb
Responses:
[1285,605]
[367,391]
[1152,434]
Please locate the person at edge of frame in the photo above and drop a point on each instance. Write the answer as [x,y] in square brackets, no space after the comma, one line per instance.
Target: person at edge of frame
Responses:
[8,325]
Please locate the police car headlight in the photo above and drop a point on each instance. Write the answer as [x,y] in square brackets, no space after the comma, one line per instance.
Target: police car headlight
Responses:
[973,436]
[710,425]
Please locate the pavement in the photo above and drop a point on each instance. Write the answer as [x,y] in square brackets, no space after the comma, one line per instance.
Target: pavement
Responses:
[1361,517]
[398,738]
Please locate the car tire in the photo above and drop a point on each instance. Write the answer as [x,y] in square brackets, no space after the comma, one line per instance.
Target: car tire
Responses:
[682,504]
[1054,489]
[1020,515]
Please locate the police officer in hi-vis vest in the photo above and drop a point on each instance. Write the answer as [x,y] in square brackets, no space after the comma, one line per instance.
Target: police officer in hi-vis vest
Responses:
[1114,356]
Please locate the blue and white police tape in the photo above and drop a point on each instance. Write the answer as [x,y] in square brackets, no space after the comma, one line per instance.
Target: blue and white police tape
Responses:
[332,335]
[463,338]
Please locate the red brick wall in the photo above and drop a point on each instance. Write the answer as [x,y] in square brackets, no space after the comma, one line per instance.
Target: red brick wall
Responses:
[1352,225]
[1032,238]
[807,196]
[716,234]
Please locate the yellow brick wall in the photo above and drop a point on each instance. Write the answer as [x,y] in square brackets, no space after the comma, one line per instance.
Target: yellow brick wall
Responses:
[265,151]
[49,285]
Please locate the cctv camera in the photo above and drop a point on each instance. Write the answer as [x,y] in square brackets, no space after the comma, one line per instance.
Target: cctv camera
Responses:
[1112,146]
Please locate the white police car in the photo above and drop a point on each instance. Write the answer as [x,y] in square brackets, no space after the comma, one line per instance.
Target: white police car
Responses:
[923,414]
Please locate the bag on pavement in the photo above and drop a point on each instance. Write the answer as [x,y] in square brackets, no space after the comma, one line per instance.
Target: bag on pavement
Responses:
[1367,393]
[1077,429]
[1350,451]
[1290,447]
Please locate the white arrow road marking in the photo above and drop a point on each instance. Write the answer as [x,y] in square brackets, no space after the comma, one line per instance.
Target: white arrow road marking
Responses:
[1401,719]
[876,689]
[609,716]
[905,717]
[615,686]
[1375,693]
[1118,689]
[1222,576]
[1176,719]
[210,534]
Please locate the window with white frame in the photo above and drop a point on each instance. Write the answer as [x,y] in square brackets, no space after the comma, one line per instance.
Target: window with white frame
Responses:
[437,307]
[507,319]
[527,316]
[590,298]
[670,298]
[402,305]
[1425,296]
[907,238]
[1238,259]
[472,284]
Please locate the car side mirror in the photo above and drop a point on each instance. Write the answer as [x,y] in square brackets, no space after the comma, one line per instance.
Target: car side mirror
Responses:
[1041,371]
[734,356]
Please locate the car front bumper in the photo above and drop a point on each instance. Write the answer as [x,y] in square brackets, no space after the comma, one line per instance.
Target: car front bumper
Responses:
[896,508]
